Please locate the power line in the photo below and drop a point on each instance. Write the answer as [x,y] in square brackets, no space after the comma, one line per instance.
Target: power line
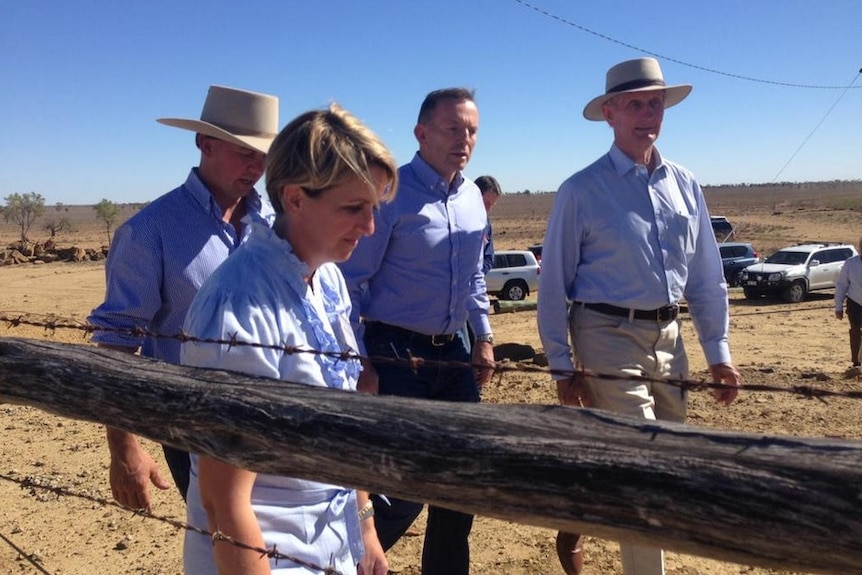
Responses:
[820,123]
[675,60]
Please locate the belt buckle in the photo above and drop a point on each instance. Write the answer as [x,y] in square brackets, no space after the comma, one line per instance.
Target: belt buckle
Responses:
[668,313]
[439,340]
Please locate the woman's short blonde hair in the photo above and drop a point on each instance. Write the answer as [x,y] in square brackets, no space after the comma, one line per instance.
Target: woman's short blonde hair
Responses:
[320,149]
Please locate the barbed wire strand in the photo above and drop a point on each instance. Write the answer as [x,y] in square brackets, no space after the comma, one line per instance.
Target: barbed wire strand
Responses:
[415,363]
[33,482]
[676,60]
[26,556]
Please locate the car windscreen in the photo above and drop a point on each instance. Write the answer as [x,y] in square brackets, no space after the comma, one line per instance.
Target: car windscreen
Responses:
[787,258]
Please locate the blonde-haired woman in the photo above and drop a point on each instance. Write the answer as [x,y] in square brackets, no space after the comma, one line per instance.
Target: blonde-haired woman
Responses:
[325,174]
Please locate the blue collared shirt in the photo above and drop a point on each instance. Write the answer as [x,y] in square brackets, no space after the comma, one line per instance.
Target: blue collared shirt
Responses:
[622,236]
[159,259]
[422,267]
[488,252]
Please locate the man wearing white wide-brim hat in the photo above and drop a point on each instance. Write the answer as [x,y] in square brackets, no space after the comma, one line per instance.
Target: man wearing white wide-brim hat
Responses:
[161,256]
[628,238]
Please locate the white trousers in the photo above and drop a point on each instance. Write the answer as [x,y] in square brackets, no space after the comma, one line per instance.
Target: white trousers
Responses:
[607,344]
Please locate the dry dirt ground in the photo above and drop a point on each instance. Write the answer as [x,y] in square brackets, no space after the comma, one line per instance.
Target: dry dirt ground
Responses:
[773,343]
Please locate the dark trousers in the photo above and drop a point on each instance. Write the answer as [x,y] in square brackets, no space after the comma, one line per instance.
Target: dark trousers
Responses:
[446,550]
[180,466]
[854,317]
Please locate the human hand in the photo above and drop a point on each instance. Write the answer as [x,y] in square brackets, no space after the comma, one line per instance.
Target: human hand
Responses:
[839,314]
[483,354]
[131,472]
[374,561]
[727,374]
[369,381]
[572,391]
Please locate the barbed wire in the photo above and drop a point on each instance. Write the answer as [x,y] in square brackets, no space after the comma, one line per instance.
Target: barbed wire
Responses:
[53,323]
[31,558]
[33,482]
[772,312]
[676,60]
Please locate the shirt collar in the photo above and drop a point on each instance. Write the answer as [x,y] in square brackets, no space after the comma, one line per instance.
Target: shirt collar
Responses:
[623,164]
[429,177]
[201,194]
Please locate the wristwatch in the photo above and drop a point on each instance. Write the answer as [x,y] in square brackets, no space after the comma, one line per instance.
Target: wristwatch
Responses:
[487,337]
[367,511]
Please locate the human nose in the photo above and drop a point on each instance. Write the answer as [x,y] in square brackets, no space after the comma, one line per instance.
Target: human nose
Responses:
[258,163]
[366,224]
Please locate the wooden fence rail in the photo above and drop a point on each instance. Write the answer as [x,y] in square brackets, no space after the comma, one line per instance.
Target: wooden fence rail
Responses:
[780,502]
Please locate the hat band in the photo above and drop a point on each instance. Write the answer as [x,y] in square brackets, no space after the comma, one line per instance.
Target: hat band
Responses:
[240,131]
[636,84]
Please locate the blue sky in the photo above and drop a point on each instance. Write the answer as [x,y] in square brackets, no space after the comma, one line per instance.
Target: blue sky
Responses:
[82,82]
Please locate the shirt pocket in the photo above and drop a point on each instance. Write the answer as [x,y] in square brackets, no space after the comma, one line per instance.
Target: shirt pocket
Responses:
[683,228]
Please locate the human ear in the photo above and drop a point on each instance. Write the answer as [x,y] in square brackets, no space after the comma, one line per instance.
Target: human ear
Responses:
[292,198]
[419,133]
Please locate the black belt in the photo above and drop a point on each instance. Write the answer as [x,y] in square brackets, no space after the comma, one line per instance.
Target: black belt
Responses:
[660,315]
[437,340]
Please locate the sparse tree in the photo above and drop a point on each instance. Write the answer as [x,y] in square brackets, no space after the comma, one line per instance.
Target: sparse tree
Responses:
[108,212]
[56,225]
[23,209]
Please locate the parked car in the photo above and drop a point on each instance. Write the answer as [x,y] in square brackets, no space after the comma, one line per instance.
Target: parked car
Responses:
[735,257]
[515,274]
[794,271]
[721,228]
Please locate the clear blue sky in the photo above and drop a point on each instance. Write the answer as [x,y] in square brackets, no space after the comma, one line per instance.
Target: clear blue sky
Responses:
[82,82]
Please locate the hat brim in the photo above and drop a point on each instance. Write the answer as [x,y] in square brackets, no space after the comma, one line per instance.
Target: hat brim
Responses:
[260,143]
[673,96]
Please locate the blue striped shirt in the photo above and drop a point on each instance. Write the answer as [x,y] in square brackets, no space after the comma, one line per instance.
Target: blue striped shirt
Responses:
[621,236]
[422,267]
[159,259]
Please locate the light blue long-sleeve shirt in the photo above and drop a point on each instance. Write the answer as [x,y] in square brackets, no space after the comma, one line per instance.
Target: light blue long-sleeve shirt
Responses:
[422,267]
[259,295]
[621,236]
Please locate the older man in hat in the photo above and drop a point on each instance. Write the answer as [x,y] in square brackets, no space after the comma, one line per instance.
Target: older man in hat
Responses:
[162,255]
[628,238]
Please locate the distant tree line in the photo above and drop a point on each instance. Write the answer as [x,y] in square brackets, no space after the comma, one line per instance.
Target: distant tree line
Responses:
[24,209]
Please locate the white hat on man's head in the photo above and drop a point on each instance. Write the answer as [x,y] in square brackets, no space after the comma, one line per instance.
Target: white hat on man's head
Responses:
[244,118]
[639,75]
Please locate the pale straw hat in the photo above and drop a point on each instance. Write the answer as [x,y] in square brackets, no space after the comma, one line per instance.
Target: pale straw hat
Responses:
[248,119]
[639,75]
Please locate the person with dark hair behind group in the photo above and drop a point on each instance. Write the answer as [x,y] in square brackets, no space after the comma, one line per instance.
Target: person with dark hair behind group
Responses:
[491,191]
[415,283]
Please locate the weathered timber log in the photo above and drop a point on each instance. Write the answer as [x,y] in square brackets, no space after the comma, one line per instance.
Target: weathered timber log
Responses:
[780,502]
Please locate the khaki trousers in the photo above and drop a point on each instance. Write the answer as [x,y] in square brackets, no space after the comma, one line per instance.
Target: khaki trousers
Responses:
[607,344]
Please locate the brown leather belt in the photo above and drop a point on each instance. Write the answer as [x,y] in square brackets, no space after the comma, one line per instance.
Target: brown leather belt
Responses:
[659,315]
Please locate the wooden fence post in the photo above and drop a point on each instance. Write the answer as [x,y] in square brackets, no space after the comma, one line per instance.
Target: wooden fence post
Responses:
[781,502]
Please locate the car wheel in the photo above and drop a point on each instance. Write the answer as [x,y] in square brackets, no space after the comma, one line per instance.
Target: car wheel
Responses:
[796,292]
[751,293]
[736,279]
[515,290]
